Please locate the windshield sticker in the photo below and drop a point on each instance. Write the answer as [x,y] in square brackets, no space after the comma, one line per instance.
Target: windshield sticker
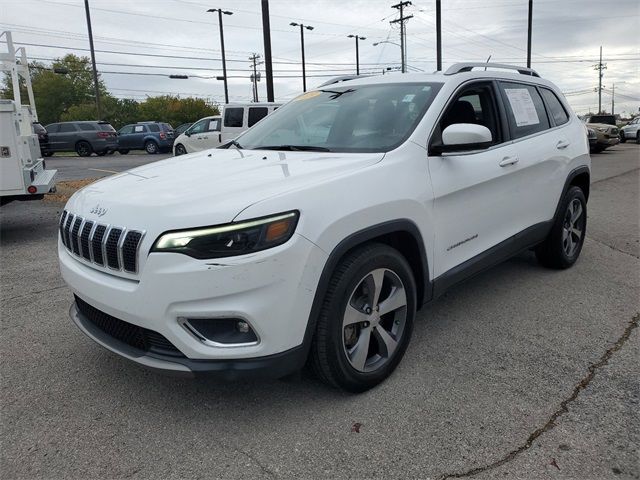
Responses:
[307,96]
[522,106]
[408,98]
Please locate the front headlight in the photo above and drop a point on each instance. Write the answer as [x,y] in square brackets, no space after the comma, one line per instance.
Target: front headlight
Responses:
[602,129]
[231,239]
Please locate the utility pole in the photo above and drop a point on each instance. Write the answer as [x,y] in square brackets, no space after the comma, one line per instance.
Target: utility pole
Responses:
[357,51]
[403,55]
[613,99]
[600,67]
[529,34]
[438,35]
[254,78]
[224,60]
[304,74]
[266,34]
[93,61]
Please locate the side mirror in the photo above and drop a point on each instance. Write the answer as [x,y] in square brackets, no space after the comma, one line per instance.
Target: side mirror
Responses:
[463,137]
[187,133]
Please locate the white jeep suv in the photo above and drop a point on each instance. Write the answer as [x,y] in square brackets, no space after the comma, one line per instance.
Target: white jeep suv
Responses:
[317,234]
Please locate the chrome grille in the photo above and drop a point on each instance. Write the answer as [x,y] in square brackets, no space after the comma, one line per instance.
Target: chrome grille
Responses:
[105,245]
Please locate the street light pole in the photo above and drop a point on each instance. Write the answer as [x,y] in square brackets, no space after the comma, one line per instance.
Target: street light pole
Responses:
[357,51]
[93,61]
[304,74]
[224,60]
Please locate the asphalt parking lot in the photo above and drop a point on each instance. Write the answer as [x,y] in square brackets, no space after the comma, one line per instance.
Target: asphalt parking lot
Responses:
[521,372]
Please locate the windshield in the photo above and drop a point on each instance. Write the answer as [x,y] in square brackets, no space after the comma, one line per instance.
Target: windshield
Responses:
[361,118]
[606,119]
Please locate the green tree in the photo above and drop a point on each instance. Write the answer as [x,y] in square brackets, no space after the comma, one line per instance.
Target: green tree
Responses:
[175,110]
[118,112]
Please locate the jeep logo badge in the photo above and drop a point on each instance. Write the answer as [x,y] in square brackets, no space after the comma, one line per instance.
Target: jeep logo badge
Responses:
[98,210]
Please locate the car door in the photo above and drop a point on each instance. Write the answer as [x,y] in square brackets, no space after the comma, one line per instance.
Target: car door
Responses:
[67,137]
[54,140]
[211,137]
[475,192]
[543,152]
[138,136]
[233,123]
[125,135]
[194,136]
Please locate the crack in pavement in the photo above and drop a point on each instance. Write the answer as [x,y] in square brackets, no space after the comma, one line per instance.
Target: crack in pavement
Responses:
[615,249]
[615,176]
[264,469]
[564,406]
[34,293]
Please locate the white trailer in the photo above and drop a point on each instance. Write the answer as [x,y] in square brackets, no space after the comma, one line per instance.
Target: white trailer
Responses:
[23,175]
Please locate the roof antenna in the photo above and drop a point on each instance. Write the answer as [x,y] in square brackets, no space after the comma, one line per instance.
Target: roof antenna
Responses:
[489,58]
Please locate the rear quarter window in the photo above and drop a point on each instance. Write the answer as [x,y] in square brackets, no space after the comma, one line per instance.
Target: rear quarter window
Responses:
[525,109]
[106,127]
[87,127]
[557,111]
[153,127]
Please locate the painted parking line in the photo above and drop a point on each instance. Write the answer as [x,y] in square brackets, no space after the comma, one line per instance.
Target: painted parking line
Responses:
[105,171]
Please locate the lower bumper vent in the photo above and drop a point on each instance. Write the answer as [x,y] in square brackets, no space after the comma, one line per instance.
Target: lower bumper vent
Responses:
[137,337]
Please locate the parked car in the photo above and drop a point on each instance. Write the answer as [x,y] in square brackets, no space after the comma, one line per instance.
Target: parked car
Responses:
[43,139]
[211,132]
[606,131]
[153,137]
[300,242]
[84,137]
[180,129]
[592,136]
[631,131]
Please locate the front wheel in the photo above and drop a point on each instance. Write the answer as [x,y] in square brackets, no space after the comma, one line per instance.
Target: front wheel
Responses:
[123,151]
[622,137]
[562,247]
[638,136]
[366,319]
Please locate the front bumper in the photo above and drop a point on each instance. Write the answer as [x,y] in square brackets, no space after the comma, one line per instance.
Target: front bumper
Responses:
[272,290]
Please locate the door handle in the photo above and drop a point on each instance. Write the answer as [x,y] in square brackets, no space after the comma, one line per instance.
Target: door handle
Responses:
[506,161]
[562,144]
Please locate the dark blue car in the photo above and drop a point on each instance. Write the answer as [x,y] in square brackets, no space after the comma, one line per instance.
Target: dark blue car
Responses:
[154,137]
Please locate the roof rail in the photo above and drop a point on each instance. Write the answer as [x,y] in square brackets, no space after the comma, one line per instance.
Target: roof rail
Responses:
[342,78]
[468,66]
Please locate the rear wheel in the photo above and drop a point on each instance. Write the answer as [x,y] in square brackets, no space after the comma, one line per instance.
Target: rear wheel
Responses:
[83,149]
[151,147]
[123,151]
[47,154]
[102,153]
[562,247]
[180,150]
[366,319]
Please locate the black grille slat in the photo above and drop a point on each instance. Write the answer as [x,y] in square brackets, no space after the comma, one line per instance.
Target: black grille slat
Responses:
[130,251]
[137,337]
[111,247]
[75,245]
[96,244]
[63,217]
[84,239]
[67,227]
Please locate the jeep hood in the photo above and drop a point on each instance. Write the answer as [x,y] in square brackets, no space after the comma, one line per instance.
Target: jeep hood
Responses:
[207,188]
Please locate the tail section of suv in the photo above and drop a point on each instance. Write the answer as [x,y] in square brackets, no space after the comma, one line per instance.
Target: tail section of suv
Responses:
[318,233]
[84,137]
[153,137]
[604,126]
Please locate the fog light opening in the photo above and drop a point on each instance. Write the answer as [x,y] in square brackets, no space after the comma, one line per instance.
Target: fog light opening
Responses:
[221,332]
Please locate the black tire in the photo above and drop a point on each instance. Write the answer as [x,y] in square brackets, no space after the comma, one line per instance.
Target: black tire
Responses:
[124,151]
[180,150]
[47,154]
[151,147]
[638,136]
[597,149]
[328,356]
[554,252]
[84,149]
[102,153]
[623,139]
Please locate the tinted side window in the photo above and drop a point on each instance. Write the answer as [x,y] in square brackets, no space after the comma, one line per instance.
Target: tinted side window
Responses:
[555,107]
[153,127]
[87,127]
[66,128]
[233,117]
[256,114]
[199,126]
[525,109]
[126,130]
[53,127]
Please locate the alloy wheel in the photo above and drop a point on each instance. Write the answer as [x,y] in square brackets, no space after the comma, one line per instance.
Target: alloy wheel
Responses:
[573,227]
[374,320]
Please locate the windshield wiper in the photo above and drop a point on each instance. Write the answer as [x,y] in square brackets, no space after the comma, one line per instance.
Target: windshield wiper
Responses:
[294,148]
[235,144]
[336,94]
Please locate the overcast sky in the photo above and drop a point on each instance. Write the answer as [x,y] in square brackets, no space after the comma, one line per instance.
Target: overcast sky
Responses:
[567,35]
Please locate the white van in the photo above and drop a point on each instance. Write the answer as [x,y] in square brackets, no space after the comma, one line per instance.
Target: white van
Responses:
[211,132]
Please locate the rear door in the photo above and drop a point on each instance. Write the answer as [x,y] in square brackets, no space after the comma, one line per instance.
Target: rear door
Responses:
[138,136]
[233,123]
[476,192]
[543,150]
